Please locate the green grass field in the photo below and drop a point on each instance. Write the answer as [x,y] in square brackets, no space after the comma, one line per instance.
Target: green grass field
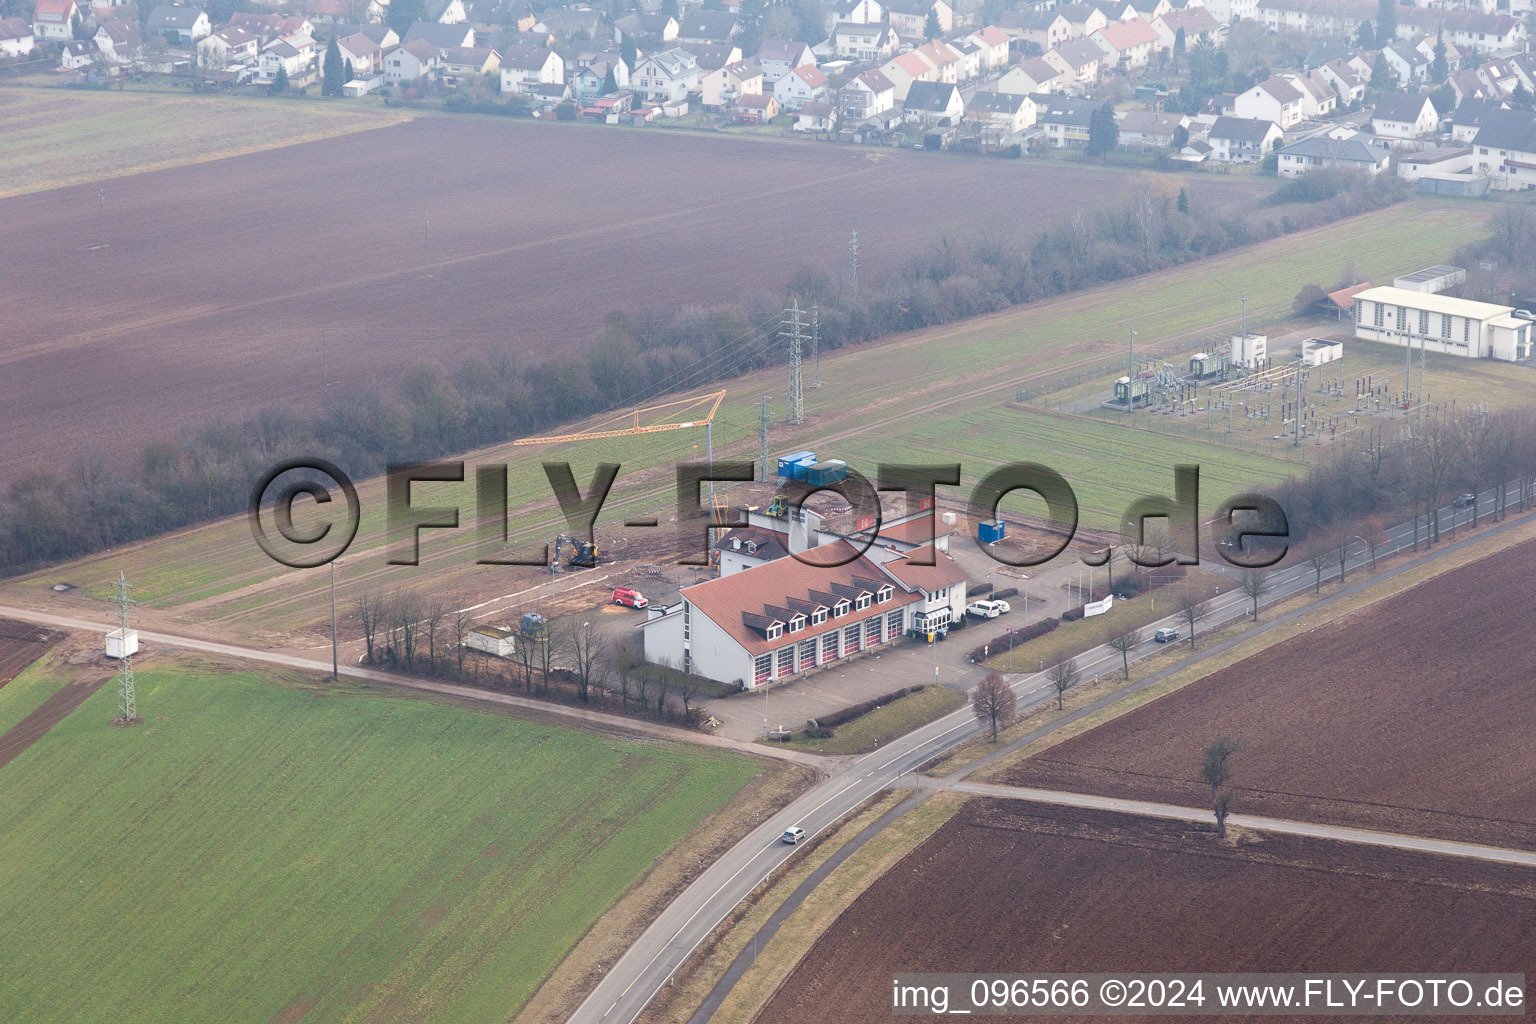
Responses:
[265,850]
[945,392]
[57,136]
[22,695]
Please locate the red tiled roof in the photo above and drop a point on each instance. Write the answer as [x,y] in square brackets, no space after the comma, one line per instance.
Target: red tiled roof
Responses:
[52,10]
[740,603]
[945,572]
[922,530]
[1344,298]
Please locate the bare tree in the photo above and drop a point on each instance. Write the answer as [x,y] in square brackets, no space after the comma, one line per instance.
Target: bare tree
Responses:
[1064,676]
[690,686]
[405,616]
[1374,536]
[526,650]
[1343,540]
[663,680]
[1193,611]
[1255,583]
[433,614]
[589,651]
[1216,772]
[369,608]
[1124,642]
[554,642]
[463,622]
[1317,554]
[993,702]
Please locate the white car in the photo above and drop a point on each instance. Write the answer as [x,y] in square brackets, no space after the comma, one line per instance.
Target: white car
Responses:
[793,835]
[1003,607]
[983,609]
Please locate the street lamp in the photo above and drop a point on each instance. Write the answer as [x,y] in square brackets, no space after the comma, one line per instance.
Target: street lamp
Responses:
[335,667]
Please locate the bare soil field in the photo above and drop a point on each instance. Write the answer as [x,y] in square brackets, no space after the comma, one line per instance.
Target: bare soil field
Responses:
[1014,887]
[22,643]
[47,715]
[183,295]
[1411,716]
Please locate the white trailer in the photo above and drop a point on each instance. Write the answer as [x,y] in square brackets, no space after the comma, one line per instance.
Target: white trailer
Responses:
[496,641]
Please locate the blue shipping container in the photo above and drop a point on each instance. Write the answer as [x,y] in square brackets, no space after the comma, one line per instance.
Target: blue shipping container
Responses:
[800,469]
[991,531]
[830,472]
[787,462]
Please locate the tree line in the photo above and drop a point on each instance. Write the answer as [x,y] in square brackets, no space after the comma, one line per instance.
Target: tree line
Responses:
[51,514]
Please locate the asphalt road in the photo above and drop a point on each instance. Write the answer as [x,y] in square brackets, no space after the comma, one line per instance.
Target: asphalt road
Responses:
[651,961]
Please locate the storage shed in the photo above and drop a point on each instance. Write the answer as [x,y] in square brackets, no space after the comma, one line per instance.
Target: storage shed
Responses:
[493,640]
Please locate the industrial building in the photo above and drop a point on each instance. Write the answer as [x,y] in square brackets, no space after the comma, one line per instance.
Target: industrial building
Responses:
[787,616]
[1441,323]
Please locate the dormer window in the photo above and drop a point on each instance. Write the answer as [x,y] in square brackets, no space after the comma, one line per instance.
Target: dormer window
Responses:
[884,594]
[840,609]
[797,623]
[818,616]
[775,630]
[863,602]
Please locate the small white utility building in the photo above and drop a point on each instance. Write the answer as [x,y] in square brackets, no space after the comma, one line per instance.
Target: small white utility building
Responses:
[496,641]
[1317,351]
[122,643]
[1442,323]
[1250,350]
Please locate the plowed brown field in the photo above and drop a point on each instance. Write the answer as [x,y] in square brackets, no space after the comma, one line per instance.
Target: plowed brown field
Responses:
[22,643]
[1415,715]
[1020,888]
[180,296]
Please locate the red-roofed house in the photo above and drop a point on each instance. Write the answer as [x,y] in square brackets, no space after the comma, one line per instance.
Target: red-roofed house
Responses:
[1128,44]
[790,616]
[801,86]
[994,46]
[54,20]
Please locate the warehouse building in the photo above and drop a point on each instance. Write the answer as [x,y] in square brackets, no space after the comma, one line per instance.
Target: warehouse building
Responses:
[786,617]
[1441,323]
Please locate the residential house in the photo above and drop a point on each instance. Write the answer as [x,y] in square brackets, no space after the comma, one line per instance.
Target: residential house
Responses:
[1407,64]
[1317,96]
[1347,81]
[472,63]
[1078,62]
[1471,84]
[712,56]
[524,66]
[1012,113]
[947,62]
[1083,18]
[54,20]
[664,78]
[702,26]
[1426,47]
[587,83]
[119,41]
[1150,129]
[909,18]
[1065,120]
[801,86]
[1440,160]
[546,96]
[178,24]
[452,12]
[1466,29]
[1320,153]
[719,89]
[365,55]
[993,44]
[227,46]
[1127,44]
[1196,22]
[778,57]
[340,12]
[865,96]
[1043,27]
[905,69]
[16,37]
[933,103]
[860,12]
[267,27]
[642,27]
[815,117]
[1401,119]
[1470,116]
[1505,149]
[413,61]
[756,109]
[1033,75]
[865,43]
[1243,140]
[969,55]
[1273,99]
[439,36]
[74,56]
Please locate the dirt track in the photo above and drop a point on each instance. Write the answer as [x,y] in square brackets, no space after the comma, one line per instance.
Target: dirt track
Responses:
[1413,716]
[1003,887]
[431,240]
[22,643]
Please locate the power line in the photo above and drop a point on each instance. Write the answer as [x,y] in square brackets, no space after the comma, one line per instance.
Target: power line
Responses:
[793,328]
[816,342]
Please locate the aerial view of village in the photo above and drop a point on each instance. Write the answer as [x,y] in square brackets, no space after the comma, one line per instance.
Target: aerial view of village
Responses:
[767,511]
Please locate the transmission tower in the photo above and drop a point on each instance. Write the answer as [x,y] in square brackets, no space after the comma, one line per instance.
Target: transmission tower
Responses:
[762,437]
[816,342]
[127,705]
[853,259]
[794,330]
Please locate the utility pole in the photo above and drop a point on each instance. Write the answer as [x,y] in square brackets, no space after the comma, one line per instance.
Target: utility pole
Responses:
[335,667]
[426,254]
[1130,370]
[1244,322]
[853,260]
[793,330]
[762,438]
[127,702]
[324,380]
[816,342]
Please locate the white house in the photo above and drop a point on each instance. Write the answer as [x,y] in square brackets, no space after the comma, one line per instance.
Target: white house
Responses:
[1066,121]
[860,12]
[815,117]
[778,57]
[865,43]
[1078,61]
[119,41]
[865,96]
[801,86]
[1317,96]
[1043,27]
[993,43]
[1273,99]
[1031,76]
[1083,17]
[1408,64]
[909,18]
[1127,44]
[1321,152]
[524,66]
[667,77]
[722,87]
[1242,140]
[930,103]
[1441,323]
[905,69]
[1347,81]
[230,46]
[362,52]
[74,56]
[1197,23]
[184,25]
[1505,149]
[54,20]
[1401,119]
[413,61]
[16,38]
[1010,112]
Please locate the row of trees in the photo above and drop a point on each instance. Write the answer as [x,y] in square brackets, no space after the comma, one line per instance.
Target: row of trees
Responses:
[53,514]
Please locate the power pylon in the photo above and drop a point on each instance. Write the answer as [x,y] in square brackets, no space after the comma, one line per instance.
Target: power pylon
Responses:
[762,438]
[793,329]
[816,342]
[853,259]
[127,704]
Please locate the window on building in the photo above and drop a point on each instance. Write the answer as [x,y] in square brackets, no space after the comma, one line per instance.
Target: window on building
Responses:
[1445,325]
[862,602]
[775,630]
[797,623]
[884,593]
[686,618]
[840,609]
[818,616]
[762,668]
[808,653]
